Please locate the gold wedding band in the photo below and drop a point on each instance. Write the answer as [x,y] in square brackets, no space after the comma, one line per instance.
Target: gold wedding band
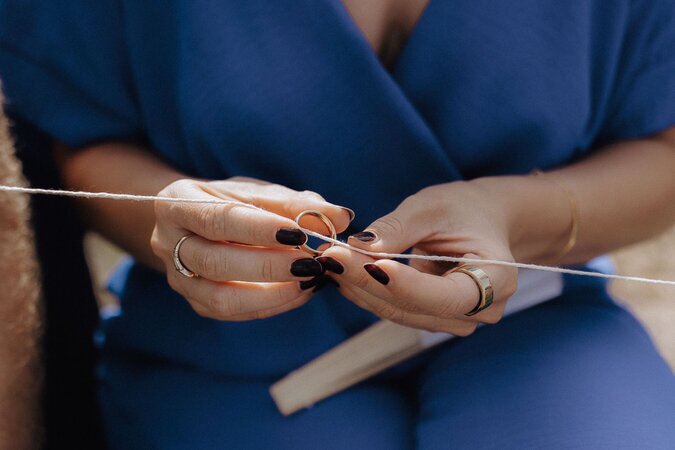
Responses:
[326,221]
[177,263]
[482,280]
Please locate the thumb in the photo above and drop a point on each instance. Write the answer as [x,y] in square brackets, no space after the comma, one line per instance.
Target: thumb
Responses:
[396,232]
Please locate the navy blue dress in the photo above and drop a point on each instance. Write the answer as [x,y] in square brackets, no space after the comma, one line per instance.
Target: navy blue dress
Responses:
[285,90]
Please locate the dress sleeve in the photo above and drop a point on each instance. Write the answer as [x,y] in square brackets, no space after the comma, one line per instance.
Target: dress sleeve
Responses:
[64,68]
[643,97]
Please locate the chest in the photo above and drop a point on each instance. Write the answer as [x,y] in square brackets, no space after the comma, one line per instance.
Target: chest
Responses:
[386,24]
[489,89]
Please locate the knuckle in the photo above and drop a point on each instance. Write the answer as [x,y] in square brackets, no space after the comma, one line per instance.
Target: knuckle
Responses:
[449,306]
[256,315]
[226,305]
[390,312]
[362,280]
[200,310]
[465,330]
[491,318]
[209,221]
[407,305]
[389,224]
[210,262]
[311,195]
[281,295]
[267,269]
[156,243]
[511,286]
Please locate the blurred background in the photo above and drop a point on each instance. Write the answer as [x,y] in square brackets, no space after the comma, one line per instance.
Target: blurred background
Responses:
[653,305]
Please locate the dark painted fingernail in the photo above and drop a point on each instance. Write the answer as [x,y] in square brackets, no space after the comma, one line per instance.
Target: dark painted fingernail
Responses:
[331,264]
[321,285]
[351,213]
[291,236]
[331,280]
[308,284]
[325,282]
[377,273]
[306,267]
[364,236]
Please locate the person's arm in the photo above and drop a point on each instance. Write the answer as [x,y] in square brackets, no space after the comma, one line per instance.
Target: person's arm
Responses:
[20,372]
[625,193]
[121,168]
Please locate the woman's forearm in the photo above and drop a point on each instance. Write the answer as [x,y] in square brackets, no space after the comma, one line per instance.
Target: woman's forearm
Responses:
[625,193]
[122,168]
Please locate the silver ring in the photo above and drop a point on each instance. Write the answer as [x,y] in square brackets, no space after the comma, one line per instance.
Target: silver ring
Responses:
[177,263]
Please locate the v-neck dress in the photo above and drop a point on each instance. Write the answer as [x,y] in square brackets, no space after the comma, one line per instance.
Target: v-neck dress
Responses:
[290,92]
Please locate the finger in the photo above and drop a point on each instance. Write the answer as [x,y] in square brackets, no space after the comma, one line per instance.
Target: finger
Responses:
[430,267]
[389,312]
[399,230]
[290,203]
[232,262]
[238,223]
[350,270]
[353,272]
[238,300]
[452,295]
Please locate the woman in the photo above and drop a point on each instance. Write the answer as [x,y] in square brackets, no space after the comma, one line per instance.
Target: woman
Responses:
[383,107]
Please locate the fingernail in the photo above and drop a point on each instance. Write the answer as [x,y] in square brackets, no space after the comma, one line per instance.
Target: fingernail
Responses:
[321,285]
[308,284]
[351,213]
[364,236]
[291,236]
[331,264]
[325,282]
[331,280]
[306,267]
[378,274]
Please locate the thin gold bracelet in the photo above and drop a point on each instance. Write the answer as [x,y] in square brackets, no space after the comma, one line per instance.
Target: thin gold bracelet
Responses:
[574,207]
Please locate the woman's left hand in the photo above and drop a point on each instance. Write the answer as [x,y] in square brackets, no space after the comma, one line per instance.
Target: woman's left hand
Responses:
[455,219]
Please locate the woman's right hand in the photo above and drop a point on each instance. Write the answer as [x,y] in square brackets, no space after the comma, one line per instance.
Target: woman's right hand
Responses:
[247,259]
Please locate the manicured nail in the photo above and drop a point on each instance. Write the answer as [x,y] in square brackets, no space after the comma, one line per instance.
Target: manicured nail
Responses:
[351,213]
[377,273]
[331,264]
[306,267]
[331,280]
[364,236]
[308,284]
[325,282]
[291,236]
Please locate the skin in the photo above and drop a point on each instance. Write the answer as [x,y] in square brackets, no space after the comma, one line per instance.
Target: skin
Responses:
[20,372]
[509,218]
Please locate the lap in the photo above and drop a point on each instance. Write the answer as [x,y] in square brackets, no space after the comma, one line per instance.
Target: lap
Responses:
[572,373]
[169,408]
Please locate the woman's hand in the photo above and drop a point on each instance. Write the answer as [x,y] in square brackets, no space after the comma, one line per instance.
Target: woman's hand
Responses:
[456,219]
[247,259]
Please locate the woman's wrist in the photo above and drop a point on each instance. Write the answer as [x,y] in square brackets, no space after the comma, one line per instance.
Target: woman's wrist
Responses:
[537,215]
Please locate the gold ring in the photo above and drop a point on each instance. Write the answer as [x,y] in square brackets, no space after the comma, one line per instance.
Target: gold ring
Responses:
[482,280]
[326,221]
[177,263]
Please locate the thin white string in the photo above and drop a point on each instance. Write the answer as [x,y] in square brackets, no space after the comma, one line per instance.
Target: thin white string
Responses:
[152,198]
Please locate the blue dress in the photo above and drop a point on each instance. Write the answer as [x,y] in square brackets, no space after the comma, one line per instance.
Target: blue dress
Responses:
[286,90]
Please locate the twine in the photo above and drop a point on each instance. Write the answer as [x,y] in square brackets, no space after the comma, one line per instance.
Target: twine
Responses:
[153,198]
